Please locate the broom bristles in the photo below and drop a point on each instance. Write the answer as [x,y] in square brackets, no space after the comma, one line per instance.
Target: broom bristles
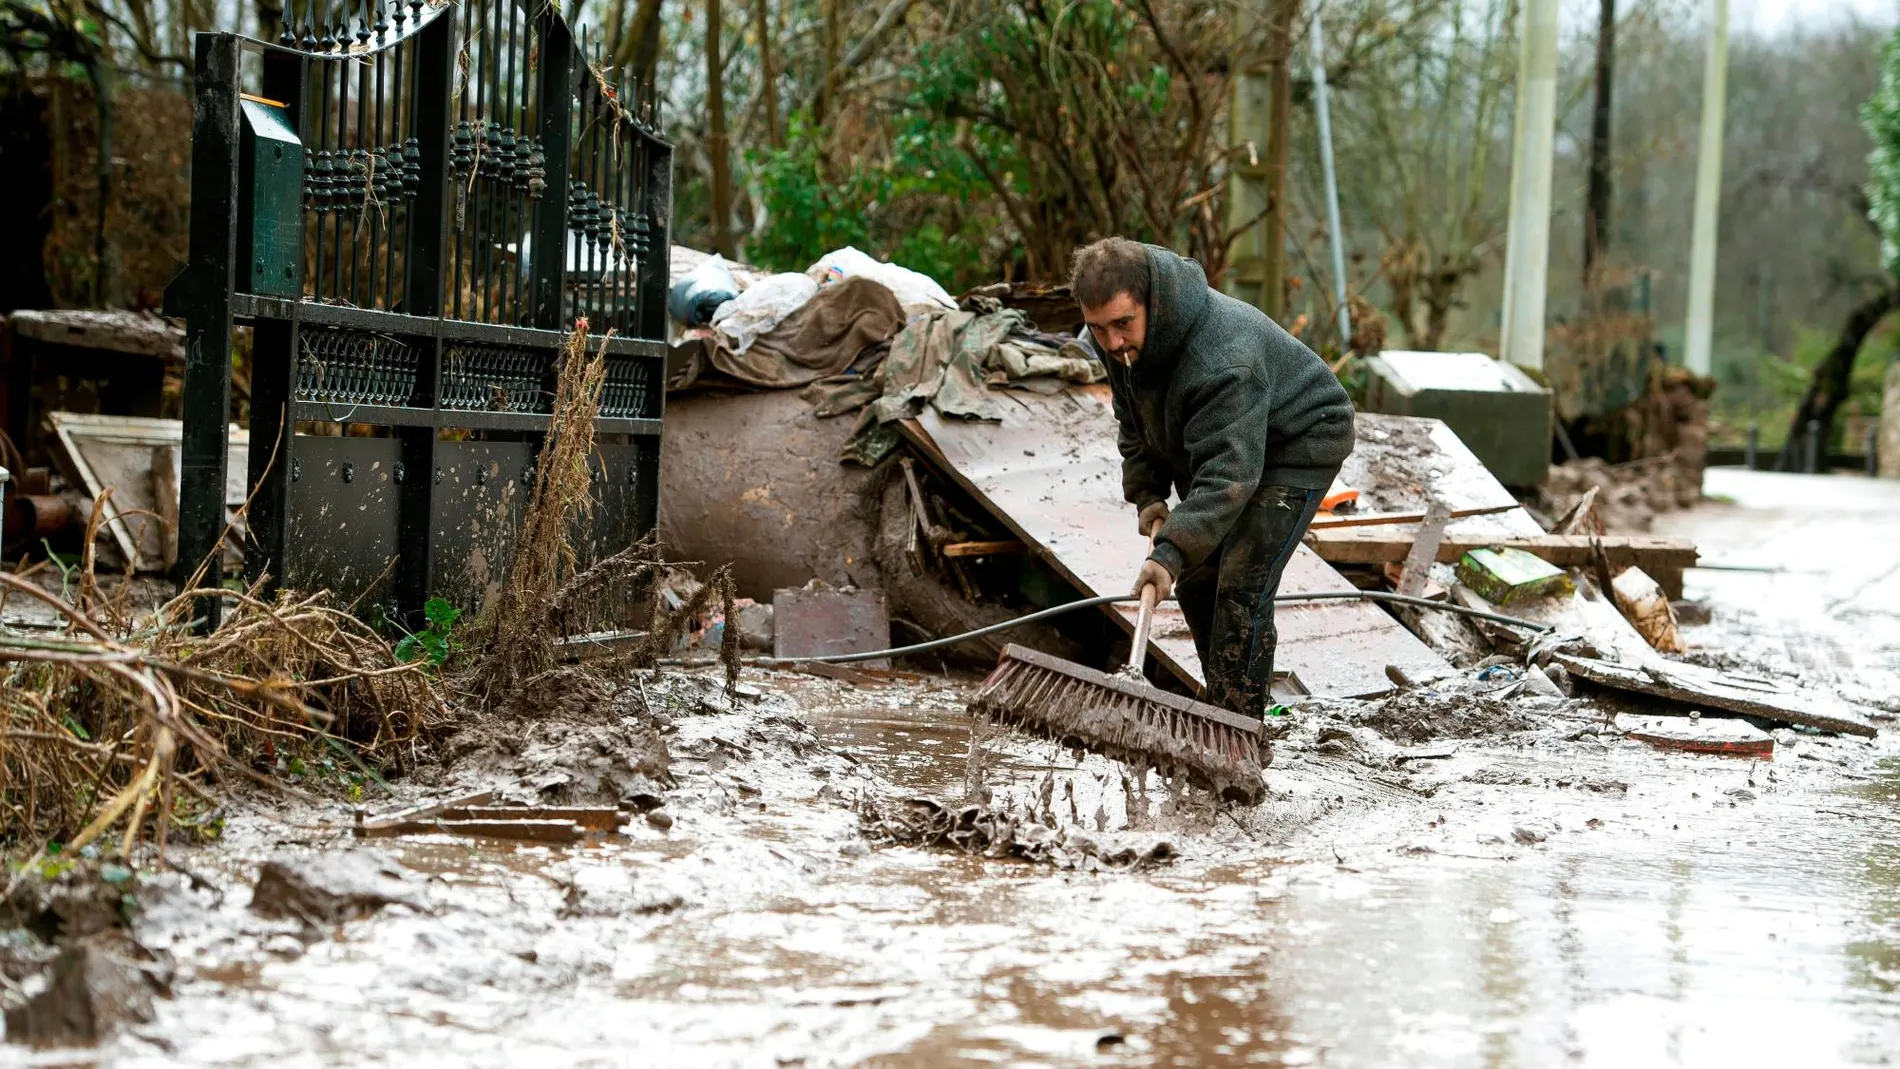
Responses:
[1125,720]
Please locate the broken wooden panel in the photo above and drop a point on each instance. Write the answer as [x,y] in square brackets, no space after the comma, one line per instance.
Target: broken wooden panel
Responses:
[1050,473]
[1709,734]
[824,623]
[135,456]
[1706,688]
[1403,463]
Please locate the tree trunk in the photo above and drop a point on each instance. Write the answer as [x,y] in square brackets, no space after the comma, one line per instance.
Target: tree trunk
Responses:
[1596,228]
[640,48]
[768,75]
[1279,109]
[1828,387]
[828,58]
[616,28]
[270,19]
[102,174]
[716,142]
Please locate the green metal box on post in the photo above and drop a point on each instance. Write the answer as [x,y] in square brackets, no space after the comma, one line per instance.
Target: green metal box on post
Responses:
[1502,414]
[270,180]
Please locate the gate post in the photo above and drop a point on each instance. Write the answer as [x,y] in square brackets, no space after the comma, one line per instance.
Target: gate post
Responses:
[204,301]
[547,267]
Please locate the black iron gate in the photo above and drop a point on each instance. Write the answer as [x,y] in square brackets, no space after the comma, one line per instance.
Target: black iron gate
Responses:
[409,204]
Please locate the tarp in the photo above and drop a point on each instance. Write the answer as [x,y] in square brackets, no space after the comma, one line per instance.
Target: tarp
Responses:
[819,340]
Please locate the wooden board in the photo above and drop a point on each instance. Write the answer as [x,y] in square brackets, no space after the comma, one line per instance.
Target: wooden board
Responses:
[122,452]
[1327,520]
[1705,688]
[1051,474]
[123,332]
[1380,545]
[1709,734]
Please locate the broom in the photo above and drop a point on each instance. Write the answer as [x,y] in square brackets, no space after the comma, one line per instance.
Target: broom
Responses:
[1124,717]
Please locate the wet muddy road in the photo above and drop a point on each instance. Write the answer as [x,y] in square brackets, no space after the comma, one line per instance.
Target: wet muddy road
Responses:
[1547,897]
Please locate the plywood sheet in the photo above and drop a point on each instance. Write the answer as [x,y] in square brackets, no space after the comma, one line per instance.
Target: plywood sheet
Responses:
[1050,472]
[1697,687]
[1401,462]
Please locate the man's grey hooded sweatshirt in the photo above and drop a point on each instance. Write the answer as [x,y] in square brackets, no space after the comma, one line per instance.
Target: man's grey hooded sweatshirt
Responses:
[1220,402]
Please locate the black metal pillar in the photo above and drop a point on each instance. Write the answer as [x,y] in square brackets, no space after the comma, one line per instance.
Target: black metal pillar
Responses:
[656,202]
[554,104]
[209,284]
[415,479]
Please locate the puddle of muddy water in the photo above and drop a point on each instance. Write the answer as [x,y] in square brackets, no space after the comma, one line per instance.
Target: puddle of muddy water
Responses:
[1687,926]
[1711,912]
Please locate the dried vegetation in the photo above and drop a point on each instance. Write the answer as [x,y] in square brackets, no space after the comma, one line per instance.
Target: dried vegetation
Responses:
[129,721]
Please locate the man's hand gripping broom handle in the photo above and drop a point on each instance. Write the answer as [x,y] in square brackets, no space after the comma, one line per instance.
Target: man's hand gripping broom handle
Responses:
[1138,653]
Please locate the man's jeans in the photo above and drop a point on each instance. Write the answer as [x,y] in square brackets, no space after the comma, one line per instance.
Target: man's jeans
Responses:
[1228,600]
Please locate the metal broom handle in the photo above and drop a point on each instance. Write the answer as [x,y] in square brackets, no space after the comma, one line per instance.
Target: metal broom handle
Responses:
[1139,653]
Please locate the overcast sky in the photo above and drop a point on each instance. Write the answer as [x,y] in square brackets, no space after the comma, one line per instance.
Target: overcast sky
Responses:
[1773,16]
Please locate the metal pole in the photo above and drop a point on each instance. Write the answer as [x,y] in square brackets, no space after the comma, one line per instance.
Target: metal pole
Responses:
[1708,195]
[1814,446]
[1873,450]
[1323,115]
[1527,255]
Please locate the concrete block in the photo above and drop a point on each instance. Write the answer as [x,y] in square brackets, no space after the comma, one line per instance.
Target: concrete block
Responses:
[1502,414]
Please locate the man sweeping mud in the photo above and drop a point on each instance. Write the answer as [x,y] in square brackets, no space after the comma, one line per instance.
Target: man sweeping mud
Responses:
[1218,403]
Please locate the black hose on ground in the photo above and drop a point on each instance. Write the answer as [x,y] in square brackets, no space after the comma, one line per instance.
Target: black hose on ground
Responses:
[1112,599]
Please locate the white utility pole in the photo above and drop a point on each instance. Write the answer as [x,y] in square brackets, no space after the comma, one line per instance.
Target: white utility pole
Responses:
[1708,197]
[1323,115]
[1527,253]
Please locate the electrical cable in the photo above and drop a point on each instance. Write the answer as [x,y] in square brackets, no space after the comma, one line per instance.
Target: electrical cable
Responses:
[1111,599]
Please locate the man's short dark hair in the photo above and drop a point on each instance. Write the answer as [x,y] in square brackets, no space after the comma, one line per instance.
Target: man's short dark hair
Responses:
[1107,268]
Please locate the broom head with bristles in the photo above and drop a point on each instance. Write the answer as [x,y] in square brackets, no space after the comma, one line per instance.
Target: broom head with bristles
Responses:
[1126,719]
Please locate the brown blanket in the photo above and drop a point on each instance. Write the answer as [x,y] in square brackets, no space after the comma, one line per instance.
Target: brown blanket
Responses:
[817,341]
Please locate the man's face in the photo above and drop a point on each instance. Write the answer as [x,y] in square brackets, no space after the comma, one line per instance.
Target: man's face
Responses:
[1120,328]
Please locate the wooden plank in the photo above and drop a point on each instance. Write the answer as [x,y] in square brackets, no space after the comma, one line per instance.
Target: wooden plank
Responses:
[1706,688]
[982,549]
[165,502]
[1415,575]
[539,831]
[1712,735]
[1324,522]
[418,812]
[591,817]
[842,673]
[1361,545]
[1050,474]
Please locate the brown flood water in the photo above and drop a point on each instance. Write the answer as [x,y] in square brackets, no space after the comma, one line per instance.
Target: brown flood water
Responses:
[1716,912]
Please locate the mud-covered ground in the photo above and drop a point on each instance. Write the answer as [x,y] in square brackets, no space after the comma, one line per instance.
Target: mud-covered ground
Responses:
[1465,875]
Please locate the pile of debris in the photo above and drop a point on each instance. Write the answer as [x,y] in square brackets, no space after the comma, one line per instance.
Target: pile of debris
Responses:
[1038,837]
